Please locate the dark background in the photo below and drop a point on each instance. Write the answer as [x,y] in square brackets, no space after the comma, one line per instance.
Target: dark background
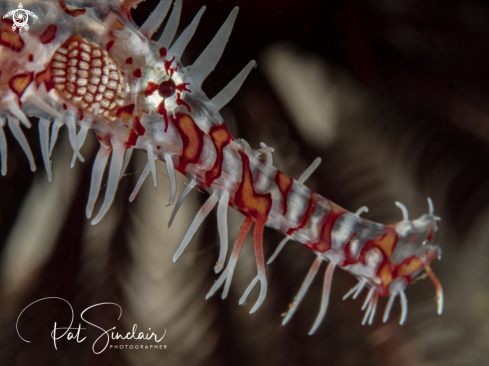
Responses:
[408,81]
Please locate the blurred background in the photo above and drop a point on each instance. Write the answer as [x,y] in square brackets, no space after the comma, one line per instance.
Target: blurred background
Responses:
[391,94]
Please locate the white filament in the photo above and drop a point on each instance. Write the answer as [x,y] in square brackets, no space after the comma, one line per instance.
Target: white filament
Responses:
[171,176]
[54,135]
[127,158]
[182,41]
[307,173]
[82,135]
[361,210]
[140,182]
[97,173]
[222,225]
[328,278]
[157,17]
[113,181]
[388,307]
[199,218]
[430,205]
[208,59]
[17,112]
[3,146]
[14,125]
[279,249]
[184,194]
[303,290]
[362,285]
[172,25]
[44,125]
[151,162]
[263,291]
[403,307]
[230,90]
[404,210]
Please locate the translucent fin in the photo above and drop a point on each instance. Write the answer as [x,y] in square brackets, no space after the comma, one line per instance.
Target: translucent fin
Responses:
[17,112]
[227,274]
[172,25]
[268,151]
[14,125]
[127,159]
[140,182]
[97,173]
[184,194]
[439,289]
[279,249]
[307,173]
[152,165]
[3,146]
[367,299]
[230,90]
[403,307]
[54,135]
[430,206]
[70,123]
[170,168]
[352,290]
[113,181]
[388,307]
[367,313]
[182,41]
[222,225]
[82,135]
[151,25]
[328,278]
[44,125]
[303,290]
[362,285]
[208,59]
[260,264]
[404,210]
[374,308]
[201,215]
[361,210]
[41,104]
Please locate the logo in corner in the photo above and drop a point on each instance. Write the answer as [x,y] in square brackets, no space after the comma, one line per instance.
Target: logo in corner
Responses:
[20,17]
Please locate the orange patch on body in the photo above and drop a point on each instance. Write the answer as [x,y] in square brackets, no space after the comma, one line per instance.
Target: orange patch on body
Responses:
[192,139]
[221,138]
[9,38]
[19,83]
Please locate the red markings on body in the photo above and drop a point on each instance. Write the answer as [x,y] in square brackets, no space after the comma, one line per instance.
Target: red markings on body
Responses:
[247,200]
[19,83]
[168,69]
[221,138]
[137,73]
[125,112]
[163,52]
[49,34]
[150,88]
[180,101]
[109,45]
[161,109]
[65,107]
[183,87]
[72,12]
[136,131]
[44,77]
[9,38]
[192,139]
[311,207]
[284,183]
[327,224]
[129,60]
[138,127]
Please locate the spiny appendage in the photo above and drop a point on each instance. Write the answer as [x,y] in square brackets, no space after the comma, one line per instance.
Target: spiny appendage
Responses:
[395,287]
